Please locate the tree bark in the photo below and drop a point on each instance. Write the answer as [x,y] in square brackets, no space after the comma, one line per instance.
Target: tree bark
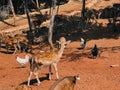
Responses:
[37,3]
[58,8]
[28,16]
[12,9]
[83,14]
[50,33]
[83,8]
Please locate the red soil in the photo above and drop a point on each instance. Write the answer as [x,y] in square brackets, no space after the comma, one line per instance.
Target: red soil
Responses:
[95,74]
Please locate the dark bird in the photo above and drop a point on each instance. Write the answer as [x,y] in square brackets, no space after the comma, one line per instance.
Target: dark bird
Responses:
[82,42]
[95,51]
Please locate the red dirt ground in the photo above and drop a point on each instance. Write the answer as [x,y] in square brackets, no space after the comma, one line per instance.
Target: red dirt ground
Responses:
[95,74]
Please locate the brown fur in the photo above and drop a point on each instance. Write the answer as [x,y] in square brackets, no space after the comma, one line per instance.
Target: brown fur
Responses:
[66,83]
[46,58]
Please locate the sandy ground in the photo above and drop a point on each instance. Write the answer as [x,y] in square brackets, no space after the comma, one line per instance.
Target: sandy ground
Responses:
[95,74]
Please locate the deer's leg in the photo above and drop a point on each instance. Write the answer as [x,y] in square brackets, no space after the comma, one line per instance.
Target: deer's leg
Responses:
[15,49]
[29,77]
[18,44]
[36,76]
[7,47]
[0,45]
[55,66]
[50,71]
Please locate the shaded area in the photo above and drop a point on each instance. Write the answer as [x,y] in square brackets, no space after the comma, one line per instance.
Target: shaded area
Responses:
[70,26]
[99,25]
[32,4]
[86,53]
[34,81]
[92,27]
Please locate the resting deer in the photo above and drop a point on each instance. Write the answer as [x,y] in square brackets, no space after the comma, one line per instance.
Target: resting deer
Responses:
[5,39]
[65,83]
[46,58]
[10,42]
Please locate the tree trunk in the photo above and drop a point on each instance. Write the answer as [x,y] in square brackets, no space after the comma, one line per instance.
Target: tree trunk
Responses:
[83,14]
[37,4]
[58,8]
[12,9]
[28,16]
[50,9]
[50,33]
[83,9]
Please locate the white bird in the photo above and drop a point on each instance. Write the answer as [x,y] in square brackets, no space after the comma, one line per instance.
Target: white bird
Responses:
[22,61]
[83,43]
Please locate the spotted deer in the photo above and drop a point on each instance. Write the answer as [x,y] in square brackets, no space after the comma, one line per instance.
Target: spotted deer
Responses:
[9,42]
[47,58]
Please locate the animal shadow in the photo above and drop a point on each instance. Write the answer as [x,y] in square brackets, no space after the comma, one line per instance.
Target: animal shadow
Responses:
[34,81]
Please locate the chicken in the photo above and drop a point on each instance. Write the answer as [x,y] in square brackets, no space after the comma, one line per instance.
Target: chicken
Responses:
[22,61]
[95,51]
[83,43]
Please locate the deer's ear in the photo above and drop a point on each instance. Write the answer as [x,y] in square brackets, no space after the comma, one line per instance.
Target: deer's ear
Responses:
[77,77]
[58,42]
[67,42]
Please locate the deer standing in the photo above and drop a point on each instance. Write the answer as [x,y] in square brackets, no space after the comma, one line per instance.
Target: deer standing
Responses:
[47,58]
